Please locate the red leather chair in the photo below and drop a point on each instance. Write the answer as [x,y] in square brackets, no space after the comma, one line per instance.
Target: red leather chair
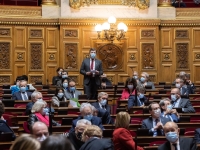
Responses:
[156,143]
[25,126]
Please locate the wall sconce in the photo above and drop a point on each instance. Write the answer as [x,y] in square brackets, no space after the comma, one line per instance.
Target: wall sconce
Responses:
[109,32]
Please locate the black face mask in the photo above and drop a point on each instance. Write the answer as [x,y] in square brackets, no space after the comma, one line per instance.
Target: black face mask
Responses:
[79,135]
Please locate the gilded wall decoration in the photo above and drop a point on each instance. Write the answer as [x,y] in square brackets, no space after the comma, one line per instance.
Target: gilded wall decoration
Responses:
[147,33]
[197,56]
[4,79]
[34,79]
[5,32]
[71,33]
[51,56]
[71,52]
[181,33]
[132,56]
[147,56]
[4,55]
[182,56]
[166,56]
[36,56]
[111,56]
[20,56]
[36,33]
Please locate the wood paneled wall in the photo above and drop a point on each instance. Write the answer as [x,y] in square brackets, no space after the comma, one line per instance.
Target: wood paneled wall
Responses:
[37,47]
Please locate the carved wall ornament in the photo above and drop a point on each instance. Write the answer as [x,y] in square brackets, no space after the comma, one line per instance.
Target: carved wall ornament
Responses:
[4,79]
[182,56]
[147,55]
[20,56]
[5,32]
[111,56]
[166,56]
[71,52]
[36,33]
[152,78]
[132,56]
[52,56]
[4,55]
[181,33]
[36,56]
[197,56]
[34,79]
[71,33]
[147,33]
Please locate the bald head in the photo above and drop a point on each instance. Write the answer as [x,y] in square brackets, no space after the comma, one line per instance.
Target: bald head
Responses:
[171,127]
[39,129]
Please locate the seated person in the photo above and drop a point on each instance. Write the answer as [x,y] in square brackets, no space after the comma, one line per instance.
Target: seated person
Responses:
[15,88]
[105,82]
[87,113]
[64,76]
[30,86]
[188,84]
[179,84]
[156,122]
[76,137]
[71,92]
[129,88]
[144,80]
[59,96]
[65,84]
[176,4]
[40,113]
[174,141]
[92,136]
[141,99]
[197,136]
[4,128]
[22,94]
[167,111]
[55,79]
[178,102]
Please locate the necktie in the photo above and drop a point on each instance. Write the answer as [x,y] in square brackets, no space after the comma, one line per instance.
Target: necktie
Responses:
[24,97]
[155,133]
[175,146]
[72,95]
[92,63]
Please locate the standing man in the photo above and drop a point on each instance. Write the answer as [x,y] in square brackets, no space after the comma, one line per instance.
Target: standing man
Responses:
[91,68]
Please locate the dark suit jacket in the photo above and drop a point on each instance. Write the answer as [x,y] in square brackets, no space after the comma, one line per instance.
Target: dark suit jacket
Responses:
[5,128]
[132,102]
[96,105]
[148,124]
[185,103]
[197,136]
[98,144]
[17,95]
[85,67]
[55,79]
[185,144]
[184,91]
[95,121]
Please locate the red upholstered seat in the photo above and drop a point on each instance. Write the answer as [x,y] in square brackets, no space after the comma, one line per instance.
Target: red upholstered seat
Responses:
[25,126]
[155,143]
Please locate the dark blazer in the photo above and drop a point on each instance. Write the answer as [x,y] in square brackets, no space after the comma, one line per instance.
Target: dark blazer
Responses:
[85,67]
[95,121]
[98,144]
[96,105]
[184,91]
[173,116]
[148,124]
[77,143]
[18,96]
[5,128]
[185,144]
[185,103]
[197,136]
[55,79]
[132,102]
[190,89]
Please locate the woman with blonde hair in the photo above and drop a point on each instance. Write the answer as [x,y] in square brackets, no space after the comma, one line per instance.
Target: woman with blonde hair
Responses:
[25,142]
[122,137]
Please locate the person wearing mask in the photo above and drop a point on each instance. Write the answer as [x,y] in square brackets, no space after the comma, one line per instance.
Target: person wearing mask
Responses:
[178,102]
[65,84]
[92,136]
[29,86]
[141,99]
[136,77]
[174,142]
[55,79]
[76,137]
[59,96]
[105,82]
[156,122]
[92,69]
[86,112]
[39,112]
[15,88]
[188,84]
[144,80]
[40,131]
[122,137]
[64,76]
[22,94]
[167,111]
[72,92]
[129,88]
[179,84]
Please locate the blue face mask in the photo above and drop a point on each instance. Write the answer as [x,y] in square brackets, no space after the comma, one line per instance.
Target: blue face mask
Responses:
[171,136]
[169,107]
[173,98]
[141,95]
[135,77]
[65,85]
[45,111]
[92,55]
[23,89]
[88,117]
[142,79]
[60,95]
[72,89]
[64,76]
[103,102]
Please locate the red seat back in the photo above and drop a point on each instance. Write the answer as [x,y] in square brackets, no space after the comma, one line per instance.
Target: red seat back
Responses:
[25,126]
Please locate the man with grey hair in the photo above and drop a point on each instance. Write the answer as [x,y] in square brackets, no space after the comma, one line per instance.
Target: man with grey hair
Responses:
[75,137]
[86,111]
[179,84]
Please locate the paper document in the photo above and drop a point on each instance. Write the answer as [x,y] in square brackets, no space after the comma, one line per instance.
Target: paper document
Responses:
[73,103]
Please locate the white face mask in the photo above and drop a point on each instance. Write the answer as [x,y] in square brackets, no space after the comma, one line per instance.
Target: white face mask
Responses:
[157,113]
[178,85]
[42,138]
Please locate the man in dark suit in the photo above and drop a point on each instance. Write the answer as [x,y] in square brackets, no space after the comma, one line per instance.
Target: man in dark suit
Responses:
[91,68]
[105,82]
[174,141]
[178,102]
[57,78]
[179,84]
[87,113]
[156,122]
[71,92]
[22,94]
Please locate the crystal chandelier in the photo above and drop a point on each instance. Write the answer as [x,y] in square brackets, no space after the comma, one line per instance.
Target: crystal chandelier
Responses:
[107,30]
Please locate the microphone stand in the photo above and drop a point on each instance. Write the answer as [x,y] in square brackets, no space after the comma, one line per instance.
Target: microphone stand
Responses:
[50,119]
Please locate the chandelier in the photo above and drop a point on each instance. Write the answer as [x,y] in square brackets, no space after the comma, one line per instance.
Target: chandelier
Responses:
[107,31]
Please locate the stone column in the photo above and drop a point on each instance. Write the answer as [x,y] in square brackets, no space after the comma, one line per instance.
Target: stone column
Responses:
[48,2]
[164,3]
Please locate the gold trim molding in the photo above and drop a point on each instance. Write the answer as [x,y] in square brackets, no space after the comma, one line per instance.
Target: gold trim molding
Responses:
[187,13]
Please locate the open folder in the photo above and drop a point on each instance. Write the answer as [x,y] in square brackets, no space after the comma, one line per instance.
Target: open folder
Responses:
[74,102]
